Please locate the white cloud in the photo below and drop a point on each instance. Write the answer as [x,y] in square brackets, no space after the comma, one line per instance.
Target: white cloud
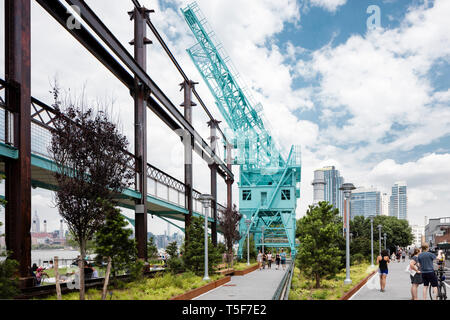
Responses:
[329,5]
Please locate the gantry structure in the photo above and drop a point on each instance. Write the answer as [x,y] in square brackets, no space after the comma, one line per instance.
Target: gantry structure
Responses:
[26,125]
[269,183]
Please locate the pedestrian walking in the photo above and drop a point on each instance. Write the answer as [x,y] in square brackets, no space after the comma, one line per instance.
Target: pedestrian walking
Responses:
[283,259]
[399,255]
[264,260]
[259,259]
[277,260]
[383,261]
[269,260]
[426,268]
[415,275]
[403,255]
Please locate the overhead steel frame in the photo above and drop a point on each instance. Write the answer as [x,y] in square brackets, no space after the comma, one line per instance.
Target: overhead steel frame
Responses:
[18,100]
[18,96]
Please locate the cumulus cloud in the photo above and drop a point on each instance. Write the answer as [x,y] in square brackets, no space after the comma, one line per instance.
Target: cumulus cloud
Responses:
[329,5]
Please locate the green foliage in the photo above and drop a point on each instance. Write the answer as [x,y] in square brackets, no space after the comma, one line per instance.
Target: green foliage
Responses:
[9,283]
[357,258]
[195,249]
[176,265]
[319,233]
[113,240]
[398,233]
[152,250]
[253,251]
[172,249]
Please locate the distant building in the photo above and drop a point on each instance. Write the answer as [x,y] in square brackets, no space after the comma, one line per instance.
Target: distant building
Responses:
[329,180]
[437,231]
[365,202]
[398,204]
[384,204]
[418,233]
[36,224]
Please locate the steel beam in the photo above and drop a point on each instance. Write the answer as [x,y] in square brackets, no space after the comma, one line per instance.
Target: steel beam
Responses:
[213,124]
[188,142]
[140,133]
[229,181]
[111,41]
[18,99]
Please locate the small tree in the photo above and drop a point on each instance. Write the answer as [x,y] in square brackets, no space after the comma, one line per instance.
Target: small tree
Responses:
[319,233]
[113,240]
[195,249]
[172,250]
[253,251]
[9,282]
[152,250]
[91,169]
[229,222]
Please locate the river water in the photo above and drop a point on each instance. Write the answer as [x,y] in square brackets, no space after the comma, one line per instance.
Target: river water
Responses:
[39,256]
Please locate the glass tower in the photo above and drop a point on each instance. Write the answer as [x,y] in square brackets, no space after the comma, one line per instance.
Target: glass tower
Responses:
[365,202]
[398,206]
[333,181]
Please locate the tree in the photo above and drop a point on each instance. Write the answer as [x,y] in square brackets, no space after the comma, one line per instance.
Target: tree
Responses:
[319,233]
[172,249]
[195,249]
[113,240]
[229,222]
[91,169]
[9,282]
[152,250]
[253,251]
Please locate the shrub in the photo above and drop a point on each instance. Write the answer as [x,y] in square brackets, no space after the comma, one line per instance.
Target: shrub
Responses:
[176,265]
[357,258]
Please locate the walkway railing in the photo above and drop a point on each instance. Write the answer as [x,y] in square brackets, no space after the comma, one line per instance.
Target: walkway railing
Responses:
[282,292]
[160,184]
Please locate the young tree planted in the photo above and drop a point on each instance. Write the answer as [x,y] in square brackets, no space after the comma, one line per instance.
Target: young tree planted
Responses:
[229,222]
[91,169]
[319,233]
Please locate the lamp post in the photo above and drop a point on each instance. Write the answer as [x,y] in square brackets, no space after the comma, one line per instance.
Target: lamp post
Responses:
[205,199]
[371,238]
[384,240]
[262,238]
[379,237]
[347,188]
[248,222]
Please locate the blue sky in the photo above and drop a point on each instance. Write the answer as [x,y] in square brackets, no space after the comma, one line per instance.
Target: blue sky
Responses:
[376,104]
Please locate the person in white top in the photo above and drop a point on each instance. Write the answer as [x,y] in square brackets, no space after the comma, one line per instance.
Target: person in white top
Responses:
[259,259]
[269,260]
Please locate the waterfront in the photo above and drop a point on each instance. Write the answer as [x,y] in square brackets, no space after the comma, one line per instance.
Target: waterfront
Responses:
[40,256]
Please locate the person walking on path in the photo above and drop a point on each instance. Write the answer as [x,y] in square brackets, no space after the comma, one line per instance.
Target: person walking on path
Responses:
[259,259]
[383,261]
[269,260]
[264,260]
[426,268]
[277,260]
[403,255]
[283,259]
[415,275]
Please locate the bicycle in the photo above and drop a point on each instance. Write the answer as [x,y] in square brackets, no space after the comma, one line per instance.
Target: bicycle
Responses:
[442,290]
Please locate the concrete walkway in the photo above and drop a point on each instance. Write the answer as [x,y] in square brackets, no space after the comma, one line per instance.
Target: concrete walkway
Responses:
[398,285]
[256,285]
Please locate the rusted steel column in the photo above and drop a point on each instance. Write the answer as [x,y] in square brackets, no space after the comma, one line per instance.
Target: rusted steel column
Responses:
[229,181]
[140,133]
[188,141]
[213,167]
[18,101]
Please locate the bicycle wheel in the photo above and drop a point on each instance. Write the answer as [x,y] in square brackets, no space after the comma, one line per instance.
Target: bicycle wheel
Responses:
[430,291]
[442,291]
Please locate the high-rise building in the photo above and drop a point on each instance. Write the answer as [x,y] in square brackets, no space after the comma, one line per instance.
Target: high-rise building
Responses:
[398,204]
[418,233]
[36,224]
[384,204]
[329,180]
[365,202]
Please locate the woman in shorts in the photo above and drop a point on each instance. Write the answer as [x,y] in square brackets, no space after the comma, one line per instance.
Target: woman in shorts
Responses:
[259,259]
[383,261]
[277,260]
[416,280]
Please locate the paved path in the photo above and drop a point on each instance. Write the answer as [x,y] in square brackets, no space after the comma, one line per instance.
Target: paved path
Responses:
[398,285]
[256,285]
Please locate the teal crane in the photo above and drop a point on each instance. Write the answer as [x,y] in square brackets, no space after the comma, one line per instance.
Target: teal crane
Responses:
[269,184]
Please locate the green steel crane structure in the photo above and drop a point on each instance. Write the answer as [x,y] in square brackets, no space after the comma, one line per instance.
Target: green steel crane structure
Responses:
[269,184]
